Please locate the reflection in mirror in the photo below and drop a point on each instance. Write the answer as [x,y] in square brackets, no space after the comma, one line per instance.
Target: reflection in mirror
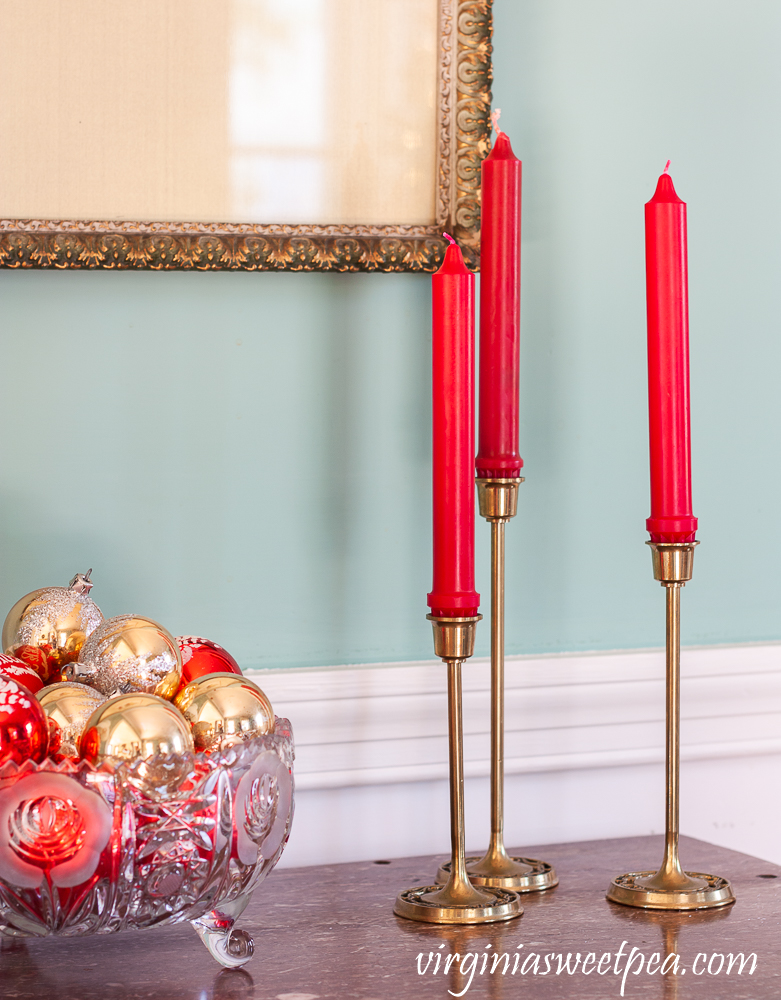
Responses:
[352,136]
[321,119]
[319,111]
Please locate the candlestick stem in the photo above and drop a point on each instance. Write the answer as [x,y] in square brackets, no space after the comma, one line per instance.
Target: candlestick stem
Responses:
[458,901]
[458,884]
[498,502]
[671,871]
[496,849]
[671,888]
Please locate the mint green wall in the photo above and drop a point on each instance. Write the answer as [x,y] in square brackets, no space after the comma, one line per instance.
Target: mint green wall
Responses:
[245,455]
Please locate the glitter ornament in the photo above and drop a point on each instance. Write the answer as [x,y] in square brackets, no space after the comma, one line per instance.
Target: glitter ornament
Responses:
[224,709]
[24,731]
[202,656]
[133,726]
[12,667]
[129,653]
[56,621]
[69,707]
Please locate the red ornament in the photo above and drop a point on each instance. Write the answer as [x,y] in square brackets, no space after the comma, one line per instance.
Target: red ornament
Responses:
[202,656]
[12,666]
[24,730]
[35,657]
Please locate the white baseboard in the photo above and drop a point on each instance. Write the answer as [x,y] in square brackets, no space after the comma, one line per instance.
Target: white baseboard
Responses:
[371,743]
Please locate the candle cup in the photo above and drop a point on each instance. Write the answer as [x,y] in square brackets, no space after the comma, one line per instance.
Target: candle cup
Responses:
[672,888]
[458,901]
[498,502]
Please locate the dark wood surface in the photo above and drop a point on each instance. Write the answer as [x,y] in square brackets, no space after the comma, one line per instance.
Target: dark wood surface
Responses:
[330,932]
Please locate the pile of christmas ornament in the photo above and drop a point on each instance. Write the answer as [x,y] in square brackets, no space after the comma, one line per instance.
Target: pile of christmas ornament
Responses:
[76,685]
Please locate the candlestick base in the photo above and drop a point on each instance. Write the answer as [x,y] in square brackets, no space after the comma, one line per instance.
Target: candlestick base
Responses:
[649,891]
[435,904]
[518,874]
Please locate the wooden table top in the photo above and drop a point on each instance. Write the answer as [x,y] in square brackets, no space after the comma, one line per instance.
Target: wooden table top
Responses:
[329,932]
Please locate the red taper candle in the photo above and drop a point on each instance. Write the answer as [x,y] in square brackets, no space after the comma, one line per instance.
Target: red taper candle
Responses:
[453,594]
[667,286]
[498,456]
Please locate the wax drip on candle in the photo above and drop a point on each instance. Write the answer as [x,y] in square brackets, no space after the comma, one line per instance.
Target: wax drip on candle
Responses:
[495,115]
[450,238]
[667,167]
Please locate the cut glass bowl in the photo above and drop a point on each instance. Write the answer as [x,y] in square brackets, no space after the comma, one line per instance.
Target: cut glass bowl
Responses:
[94,850]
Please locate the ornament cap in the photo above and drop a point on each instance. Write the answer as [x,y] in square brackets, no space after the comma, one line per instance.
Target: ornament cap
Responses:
[81,582]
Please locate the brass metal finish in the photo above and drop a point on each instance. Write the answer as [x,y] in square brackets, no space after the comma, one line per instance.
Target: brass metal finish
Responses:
[701,891]
[671,888]
[458,901]
[672,562]
[497,499]
[454,638]
[521,874]
[498,502]
[463,141]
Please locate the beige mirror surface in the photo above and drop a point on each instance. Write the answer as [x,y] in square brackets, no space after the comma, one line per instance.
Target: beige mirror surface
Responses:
[241,134]
[320,111]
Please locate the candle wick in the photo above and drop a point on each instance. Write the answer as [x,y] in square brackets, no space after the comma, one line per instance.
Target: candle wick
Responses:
[495,115]
[666,168]
[449,237]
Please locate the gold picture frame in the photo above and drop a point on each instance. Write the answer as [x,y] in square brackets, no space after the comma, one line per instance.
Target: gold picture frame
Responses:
[463,140]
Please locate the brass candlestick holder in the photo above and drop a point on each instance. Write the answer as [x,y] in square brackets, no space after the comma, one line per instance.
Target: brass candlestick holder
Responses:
[671,888]
[458,901]
[498,502]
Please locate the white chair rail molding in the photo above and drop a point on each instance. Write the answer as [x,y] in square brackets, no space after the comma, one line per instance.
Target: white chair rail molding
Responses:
[584,751]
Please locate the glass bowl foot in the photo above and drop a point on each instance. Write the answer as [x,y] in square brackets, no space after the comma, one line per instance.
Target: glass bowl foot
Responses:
[226,943]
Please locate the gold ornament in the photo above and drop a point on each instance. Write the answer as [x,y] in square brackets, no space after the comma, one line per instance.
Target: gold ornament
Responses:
[130,726]
[70,706]
[54,620]
[224,709]
[130,653]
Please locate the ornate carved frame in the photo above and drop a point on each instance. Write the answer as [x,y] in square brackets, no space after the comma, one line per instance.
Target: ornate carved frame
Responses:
[464,139]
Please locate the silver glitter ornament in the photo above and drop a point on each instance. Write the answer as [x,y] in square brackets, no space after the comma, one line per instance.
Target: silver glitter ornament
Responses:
[128,654]
[47,628]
